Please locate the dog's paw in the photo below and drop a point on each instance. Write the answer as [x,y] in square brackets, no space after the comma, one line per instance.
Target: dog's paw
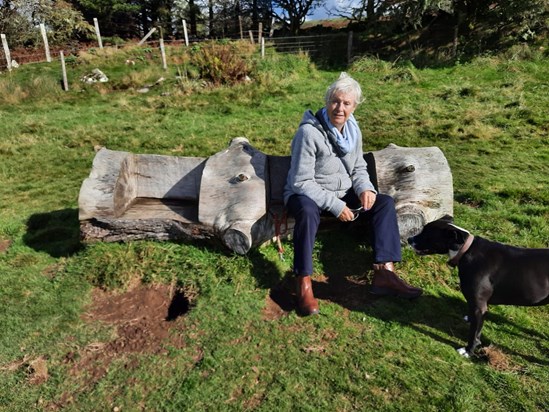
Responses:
[463,352]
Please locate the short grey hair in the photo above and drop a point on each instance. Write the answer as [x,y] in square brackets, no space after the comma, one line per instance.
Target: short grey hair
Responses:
[344,84]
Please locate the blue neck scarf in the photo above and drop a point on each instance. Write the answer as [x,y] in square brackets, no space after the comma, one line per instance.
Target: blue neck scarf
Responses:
[345,142]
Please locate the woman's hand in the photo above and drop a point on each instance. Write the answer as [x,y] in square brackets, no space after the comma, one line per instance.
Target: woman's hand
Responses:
[367,199]
[346,215]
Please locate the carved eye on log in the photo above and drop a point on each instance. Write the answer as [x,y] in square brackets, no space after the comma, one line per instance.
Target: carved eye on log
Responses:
[407,169]
[241,177]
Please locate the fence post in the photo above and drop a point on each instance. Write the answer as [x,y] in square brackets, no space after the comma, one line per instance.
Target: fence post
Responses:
[241,31]
[6,51]
[64,71]
[349,47]
[263,47]
[251,36]
[185,33]
[98,33]
[260,34]
[271,32]
[163,53]
[146,36]
[46,45]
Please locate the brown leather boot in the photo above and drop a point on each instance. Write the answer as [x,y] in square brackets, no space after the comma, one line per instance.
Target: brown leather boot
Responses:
[306,302]
[387,283]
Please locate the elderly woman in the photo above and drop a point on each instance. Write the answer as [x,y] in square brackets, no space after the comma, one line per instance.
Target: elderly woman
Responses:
[328,174]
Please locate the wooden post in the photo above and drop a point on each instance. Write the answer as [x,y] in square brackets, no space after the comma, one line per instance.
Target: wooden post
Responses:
[260,33]
[64,71]
[185,33]
[349,47]
[271,32]
[251,36]
[146,36]
[98,33]
[46,45]
[241,31]
[6,51]
[263,47]
[163,54]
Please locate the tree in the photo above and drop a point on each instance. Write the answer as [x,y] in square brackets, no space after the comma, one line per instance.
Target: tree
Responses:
[19,20]
[115,17]
[191,11]
[64,22]
[365,10]
[292,13]
[257,11]
[13,24]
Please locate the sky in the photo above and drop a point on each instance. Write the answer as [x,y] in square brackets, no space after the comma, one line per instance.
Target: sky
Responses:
[320,13]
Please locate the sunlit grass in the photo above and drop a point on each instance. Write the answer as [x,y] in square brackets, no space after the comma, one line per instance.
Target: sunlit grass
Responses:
[490,120]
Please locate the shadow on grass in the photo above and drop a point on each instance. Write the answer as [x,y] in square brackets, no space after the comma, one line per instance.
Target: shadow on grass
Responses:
[346,282]
[56,233]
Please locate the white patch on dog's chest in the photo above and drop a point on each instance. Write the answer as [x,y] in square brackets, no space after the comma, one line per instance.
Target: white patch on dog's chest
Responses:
[452,253]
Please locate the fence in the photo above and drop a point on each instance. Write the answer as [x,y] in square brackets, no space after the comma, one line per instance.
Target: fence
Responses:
[325,49]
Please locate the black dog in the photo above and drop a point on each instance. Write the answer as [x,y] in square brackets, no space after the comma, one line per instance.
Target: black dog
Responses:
[489,272]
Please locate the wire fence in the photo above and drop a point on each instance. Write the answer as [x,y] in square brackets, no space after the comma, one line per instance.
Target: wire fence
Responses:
[327,49]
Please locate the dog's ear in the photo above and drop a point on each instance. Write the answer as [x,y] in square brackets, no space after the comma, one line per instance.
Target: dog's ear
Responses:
[447,218]
[459,236]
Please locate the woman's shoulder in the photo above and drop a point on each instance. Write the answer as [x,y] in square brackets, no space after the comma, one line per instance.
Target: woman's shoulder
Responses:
[308,133]
[309,123]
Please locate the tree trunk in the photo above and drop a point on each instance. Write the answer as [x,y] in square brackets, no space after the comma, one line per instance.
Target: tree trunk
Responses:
[235,197]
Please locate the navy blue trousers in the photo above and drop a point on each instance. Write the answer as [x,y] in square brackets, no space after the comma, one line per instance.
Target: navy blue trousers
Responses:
[384,234]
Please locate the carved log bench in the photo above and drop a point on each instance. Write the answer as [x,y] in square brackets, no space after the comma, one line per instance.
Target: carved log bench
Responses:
[235,196]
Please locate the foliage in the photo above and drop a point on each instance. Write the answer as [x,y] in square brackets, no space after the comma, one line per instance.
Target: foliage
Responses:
[62,21]
[115,18]
[15,26]
[222,63]
[65,23]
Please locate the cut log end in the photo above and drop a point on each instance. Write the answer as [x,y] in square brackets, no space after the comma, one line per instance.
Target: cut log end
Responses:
[409,224]
[237,241]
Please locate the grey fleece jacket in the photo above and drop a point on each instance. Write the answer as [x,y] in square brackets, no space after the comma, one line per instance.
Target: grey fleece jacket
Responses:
[317,172]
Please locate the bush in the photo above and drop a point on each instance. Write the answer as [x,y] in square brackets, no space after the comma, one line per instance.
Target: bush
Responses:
[222,63]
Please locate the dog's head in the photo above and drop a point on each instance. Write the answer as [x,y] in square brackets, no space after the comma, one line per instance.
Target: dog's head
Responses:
[439,237]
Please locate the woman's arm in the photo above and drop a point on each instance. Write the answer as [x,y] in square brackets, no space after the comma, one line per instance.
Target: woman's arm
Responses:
[359,173]
[302,170]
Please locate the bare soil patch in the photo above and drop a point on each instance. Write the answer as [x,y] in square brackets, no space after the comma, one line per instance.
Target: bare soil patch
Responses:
[145,321]
[497,359]
[4,245]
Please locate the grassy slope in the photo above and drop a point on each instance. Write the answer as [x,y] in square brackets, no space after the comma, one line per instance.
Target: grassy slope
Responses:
[488,117]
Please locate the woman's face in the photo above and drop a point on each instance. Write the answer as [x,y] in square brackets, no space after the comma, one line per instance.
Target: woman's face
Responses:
[340,107]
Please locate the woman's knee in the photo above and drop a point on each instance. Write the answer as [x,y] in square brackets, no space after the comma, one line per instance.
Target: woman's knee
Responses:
[384,201]
[302,207]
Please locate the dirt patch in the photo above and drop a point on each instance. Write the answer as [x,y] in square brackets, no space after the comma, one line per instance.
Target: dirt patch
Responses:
[145,321]
[37,371]
[498,359]
[4,245]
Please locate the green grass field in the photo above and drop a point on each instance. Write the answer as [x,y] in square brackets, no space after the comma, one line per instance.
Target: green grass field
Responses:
[83,326]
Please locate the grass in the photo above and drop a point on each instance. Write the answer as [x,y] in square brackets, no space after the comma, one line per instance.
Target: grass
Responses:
[489,118]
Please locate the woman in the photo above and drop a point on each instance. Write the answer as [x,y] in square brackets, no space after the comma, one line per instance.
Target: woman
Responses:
[328,174]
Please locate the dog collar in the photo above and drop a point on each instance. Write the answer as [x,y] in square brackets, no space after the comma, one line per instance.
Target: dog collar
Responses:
[462,250]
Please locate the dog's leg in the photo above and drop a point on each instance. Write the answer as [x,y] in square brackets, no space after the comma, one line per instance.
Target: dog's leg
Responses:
[476,319]
[474,330]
